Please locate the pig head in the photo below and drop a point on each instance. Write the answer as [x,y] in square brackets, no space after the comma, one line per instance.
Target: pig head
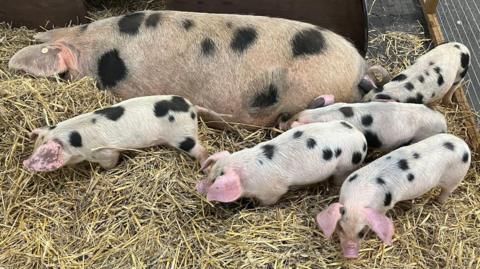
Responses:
[351,223]
[222,185]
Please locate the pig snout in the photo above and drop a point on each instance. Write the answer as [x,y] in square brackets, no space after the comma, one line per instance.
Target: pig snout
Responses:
[350,250]
[202,186]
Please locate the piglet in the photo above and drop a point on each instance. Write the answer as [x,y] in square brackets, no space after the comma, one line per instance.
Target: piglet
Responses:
[100,136]
[406,173]
[385,125]
[304,155]
[433,76]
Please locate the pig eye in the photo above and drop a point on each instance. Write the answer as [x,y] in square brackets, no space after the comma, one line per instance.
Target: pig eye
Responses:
[340,228]
[222,173]
[362,233]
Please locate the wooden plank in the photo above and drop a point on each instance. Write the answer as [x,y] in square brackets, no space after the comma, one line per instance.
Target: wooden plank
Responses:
[459,95]
[345,17]
[429,6]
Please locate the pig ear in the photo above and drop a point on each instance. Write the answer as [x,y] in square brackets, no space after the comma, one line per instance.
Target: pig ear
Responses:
[327,219]
[47,157]
[43,60]
[380,224]
[226,188]
[213,158]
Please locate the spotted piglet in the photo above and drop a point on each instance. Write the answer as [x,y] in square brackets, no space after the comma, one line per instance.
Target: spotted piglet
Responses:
[433,76]
[406,173]
[304,155]
[100,136]
[385,125]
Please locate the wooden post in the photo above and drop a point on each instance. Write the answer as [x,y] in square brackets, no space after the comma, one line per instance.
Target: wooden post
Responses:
[429,6]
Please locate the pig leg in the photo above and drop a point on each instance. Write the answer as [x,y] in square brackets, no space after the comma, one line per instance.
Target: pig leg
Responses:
[107,158]
[273,194]
[448,184]
[447,99]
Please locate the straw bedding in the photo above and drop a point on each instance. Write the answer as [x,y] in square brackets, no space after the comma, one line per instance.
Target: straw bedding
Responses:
[146,212]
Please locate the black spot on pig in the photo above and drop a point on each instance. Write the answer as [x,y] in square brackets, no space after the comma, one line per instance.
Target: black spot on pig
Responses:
[153,20]
[130,24]
[311,143]
[94,120]
[465,157]
[431,63]
[243,38]
[437,69]
[338,152]
[112,113]
[208,47]
[52,127]
[111,69]
[416,155]
[268,151]
[75,139]
[297,134]
[383,96]
[347,111]
[356,157]
[187,144]
[449,146]
[440,80]
[308,42]
[456,46]
[187,24]
[171,118]
[372,139]
[229,25]
[421,79]
[352,178]
[415,100]
[380,181]
[176,104]
[403,164]
[367,120]
[388,199]
[465,60]
[364,148]
[266,97]
[348,125]
[410,177]
[399,77]
[389,157]
[327,154]
[409,86]
[426,73]
[193,115]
